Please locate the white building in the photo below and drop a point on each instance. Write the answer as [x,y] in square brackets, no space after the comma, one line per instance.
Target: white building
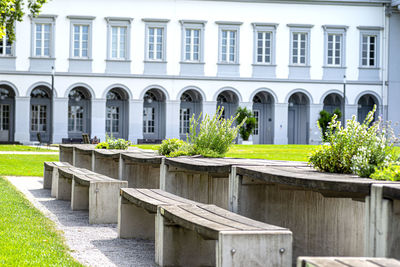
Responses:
[139,69]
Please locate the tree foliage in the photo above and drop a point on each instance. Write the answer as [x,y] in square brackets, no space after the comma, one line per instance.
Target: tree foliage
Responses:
[246,117]
[12,11]
[325,118]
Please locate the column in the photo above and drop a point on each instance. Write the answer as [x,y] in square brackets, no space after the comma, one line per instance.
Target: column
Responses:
[99,119]
[60,119]
[314,136]
[135,120]
[209,107]
[172,119]
[281,124]
[22,123]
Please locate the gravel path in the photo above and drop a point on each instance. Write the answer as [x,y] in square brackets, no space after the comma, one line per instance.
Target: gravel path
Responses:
[92,245]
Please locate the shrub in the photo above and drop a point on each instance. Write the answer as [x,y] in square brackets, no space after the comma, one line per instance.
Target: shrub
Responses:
[358,148]
[169,146]
[245,116]
[112,143]
[390,173]
[324,119]
[215,135]
[102,145]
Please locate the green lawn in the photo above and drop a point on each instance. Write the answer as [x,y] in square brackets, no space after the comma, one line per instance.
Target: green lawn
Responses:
[27,237]
[271,152]
[24,165]
[23,148]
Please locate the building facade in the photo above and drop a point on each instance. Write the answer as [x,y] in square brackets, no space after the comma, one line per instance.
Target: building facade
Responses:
[140,69]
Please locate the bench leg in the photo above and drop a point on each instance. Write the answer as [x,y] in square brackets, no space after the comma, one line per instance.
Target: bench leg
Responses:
[54,183]
[63,189]
[258,248]
[103,201]
[47,178]
[177,246]
[134,222]
[79,196]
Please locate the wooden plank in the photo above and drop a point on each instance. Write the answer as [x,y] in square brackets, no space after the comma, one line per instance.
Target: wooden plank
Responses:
[385,262]
[306,177]
[67,172]
[357,262]
[206,228]
[143,158]
[199,164]
[240,219]
[391,191]
[141,200]
[348,262]
[322,262]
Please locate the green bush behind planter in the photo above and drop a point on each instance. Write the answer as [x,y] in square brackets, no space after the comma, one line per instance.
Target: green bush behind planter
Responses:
[112,143]
[245,117]
[358,148]
[212,137]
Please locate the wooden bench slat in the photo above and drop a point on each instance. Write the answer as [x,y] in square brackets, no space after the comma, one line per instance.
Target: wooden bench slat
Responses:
[188,220]
[168,196]
[385,262]
[357,262]
[240,219]
[326,262]
[139,199]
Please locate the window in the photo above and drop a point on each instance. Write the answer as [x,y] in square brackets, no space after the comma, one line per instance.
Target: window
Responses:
[39,118]
[300,44]
[42,39]
[299,48]
[256,114]
[112,119]
[42,33]
[334,50]
[156,43]
[192,45]
[75,118]
[4,117]
[148,120]
[5,46]
[81,40]
[368,54]
[228,42]
[184,119]
[118,42]
[264,47]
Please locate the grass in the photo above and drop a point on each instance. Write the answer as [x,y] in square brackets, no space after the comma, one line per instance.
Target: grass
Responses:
[24,165]
[27,237]
[23,148]
[271,152]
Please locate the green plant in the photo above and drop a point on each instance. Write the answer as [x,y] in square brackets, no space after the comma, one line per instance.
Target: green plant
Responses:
[169,146]
[246,117]
[390,173]
[102,145]
[357,148]
[325,118]
[215,135]
[112,143]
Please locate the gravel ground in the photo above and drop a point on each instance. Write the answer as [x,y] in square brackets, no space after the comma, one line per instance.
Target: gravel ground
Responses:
[92,245]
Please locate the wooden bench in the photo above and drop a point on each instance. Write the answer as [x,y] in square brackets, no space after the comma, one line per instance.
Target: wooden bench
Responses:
[88,190]
[188,233]
[48,172]
[346,262]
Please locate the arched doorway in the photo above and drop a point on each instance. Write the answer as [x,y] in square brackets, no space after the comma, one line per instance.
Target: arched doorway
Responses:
[7,113]
[298,119]
[79,107]
[154,114]
[190,104]
[366,104]
[40,114]
[264,113]
[332,102]
[230,101]
[117,119]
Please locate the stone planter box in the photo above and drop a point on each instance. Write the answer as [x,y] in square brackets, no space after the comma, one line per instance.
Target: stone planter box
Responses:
[67,153]
[83,156]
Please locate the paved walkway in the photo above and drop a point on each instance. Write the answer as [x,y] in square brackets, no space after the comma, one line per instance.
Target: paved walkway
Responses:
[92,245]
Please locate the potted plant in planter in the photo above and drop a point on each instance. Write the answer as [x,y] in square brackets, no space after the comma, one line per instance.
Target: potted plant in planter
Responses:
[244,114]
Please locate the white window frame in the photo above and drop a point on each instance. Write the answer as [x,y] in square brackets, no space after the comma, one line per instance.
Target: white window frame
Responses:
[157,24]
[4,46]
[300,29]
[43,19]
[81,21]
[229,26]
[192,25]
[370,31]
[335,30]
[42,39]
[120,22]
[264,28]
[80,41]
